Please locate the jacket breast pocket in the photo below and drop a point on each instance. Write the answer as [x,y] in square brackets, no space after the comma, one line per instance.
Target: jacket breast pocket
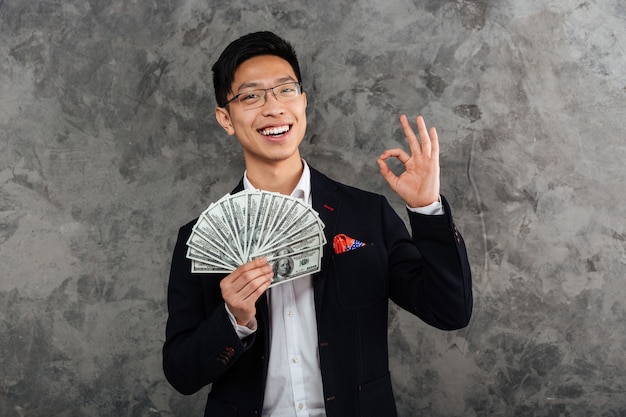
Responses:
[360,275]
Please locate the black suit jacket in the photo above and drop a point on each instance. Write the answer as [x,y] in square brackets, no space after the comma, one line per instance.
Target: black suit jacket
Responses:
[427,274]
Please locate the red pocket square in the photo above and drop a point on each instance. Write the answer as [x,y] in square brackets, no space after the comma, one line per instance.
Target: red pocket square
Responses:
[343,243]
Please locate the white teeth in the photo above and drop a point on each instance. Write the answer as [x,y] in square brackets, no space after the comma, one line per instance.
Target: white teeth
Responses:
[275,130]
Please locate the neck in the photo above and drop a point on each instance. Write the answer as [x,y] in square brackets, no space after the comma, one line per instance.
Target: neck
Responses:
[281,178]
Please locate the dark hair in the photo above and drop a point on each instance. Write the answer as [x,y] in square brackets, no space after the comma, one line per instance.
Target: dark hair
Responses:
[246,47]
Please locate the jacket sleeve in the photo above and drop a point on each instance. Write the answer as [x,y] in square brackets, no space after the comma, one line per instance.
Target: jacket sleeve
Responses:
[434,282]
[200,341]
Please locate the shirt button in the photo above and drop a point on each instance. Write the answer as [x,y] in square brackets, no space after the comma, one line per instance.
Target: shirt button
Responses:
[294,359]
[300,406]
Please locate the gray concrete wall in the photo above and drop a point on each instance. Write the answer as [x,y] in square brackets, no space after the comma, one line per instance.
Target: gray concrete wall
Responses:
[108,144]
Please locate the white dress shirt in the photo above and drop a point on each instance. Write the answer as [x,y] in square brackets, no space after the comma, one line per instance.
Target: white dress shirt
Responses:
[294,384]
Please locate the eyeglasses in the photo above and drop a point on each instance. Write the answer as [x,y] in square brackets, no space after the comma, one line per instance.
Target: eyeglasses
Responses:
[257,98]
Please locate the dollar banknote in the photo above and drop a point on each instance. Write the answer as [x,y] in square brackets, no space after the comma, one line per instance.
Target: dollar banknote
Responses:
[252,223]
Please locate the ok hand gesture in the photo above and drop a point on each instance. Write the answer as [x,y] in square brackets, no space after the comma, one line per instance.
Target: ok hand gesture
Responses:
[419,184]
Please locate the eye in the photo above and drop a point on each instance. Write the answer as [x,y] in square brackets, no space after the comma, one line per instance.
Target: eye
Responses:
[288,90]
[249,97]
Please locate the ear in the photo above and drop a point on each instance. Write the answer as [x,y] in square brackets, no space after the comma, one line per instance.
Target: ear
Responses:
[223,118]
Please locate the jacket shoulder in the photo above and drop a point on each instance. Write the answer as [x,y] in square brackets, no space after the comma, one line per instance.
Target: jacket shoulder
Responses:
[322,183]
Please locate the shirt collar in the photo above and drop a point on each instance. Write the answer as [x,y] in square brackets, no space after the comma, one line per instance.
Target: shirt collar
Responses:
[303,187]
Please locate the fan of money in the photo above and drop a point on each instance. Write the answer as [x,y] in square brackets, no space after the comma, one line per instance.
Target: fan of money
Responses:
[252,223]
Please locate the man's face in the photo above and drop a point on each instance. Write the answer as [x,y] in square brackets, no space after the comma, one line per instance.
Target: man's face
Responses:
[269,134]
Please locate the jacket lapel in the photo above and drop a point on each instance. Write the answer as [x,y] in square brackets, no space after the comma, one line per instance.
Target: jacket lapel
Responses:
[327,204]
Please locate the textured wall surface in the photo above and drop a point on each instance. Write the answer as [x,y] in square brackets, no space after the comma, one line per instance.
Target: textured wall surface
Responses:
[108,144]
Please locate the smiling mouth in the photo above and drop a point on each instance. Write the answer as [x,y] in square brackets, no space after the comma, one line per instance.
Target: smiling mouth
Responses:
[275,131]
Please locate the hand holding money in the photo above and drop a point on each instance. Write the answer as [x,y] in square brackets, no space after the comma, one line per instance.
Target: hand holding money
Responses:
[251,224]
[243,287]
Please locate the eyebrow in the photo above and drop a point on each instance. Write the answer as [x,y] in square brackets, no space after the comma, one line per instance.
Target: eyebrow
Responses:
[256,84]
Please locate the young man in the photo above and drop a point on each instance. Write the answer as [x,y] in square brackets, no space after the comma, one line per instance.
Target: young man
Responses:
[315,346]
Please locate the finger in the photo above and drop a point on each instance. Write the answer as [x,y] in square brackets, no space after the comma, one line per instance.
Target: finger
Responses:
[241,276]
[414,144]
[434,140]
[257,287]
[252,265]
[398,153]
[424,137]
[244,297]
[387,173]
